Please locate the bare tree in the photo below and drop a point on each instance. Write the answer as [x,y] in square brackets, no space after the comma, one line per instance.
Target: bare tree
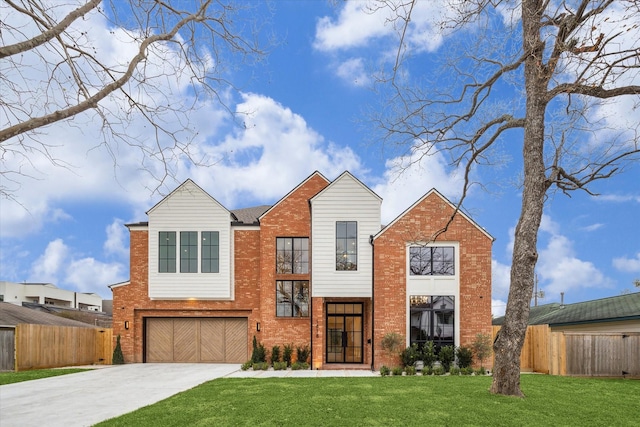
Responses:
[561,65]
[191,43]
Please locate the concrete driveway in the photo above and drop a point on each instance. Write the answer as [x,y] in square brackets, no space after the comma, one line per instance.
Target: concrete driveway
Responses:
[86,398]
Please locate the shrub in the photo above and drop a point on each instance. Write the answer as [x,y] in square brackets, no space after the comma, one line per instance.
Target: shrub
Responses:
[259,353]
[446,356]
[481,371]
[118,357]
[410,355]
[438,370]
[427,370]
[297,366]
[454,370]
[397,370]
[410,370]
[482,347]
[464,356]
[391,342]
[429,354]
[466,371]
[279,366]
[275,354]
[302,353]
[246,365]
[260,366]
[287,353]
[384,371]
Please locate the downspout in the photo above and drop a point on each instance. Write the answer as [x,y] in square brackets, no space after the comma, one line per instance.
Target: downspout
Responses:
[373,299]
[310,290]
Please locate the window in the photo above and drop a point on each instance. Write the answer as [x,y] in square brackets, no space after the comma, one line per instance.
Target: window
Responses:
[210,244]
[432,319]
[432,261]
[346,245]
[188,252]
[292,255]
[292,298]
[167,252]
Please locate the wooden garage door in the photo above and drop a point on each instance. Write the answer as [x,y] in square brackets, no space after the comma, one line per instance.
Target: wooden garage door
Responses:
[207,340]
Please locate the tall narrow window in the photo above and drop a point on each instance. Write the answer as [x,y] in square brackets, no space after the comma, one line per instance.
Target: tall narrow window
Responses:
[210,261]
[292,255]
[432,261]
[167,252]
[432,319]
[346,245]
[188,252]
[292,298]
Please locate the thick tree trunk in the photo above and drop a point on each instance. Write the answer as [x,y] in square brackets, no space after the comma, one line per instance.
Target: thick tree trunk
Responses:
[508,343]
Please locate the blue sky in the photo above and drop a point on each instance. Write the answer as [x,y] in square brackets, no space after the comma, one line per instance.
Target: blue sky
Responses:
[307,110]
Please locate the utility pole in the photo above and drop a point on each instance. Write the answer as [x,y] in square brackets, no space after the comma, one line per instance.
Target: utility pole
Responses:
[537,294]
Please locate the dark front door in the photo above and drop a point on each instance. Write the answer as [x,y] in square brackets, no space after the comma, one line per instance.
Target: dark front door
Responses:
[344,333]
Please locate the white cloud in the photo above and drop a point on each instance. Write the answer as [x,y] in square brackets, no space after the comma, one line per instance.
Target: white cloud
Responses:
[619,198]
[356,25]
[559,268]
[91,275]
[500,280]
[47,267]
[353,72]
[117,242]
[593,227]
[363,24]
[629,265]
[498,307]
[274,151]
[61,265]
[407,178]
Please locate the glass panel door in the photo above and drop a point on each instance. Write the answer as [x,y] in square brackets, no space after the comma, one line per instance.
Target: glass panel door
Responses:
[344,333]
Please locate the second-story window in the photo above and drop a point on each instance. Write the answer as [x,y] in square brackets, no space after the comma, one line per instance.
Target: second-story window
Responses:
[210,257]
[167,252]
[188,252]
[292,255]
[346,245]
[432,261]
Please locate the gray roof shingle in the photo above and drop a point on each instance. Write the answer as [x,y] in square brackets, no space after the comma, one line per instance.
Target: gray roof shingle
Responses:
[11,315]
[249,215]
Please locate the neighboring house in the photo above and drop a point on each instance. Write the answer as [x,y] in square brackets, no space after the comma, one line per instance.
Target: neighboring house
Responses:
[317,269]
[613,314]
[47,293]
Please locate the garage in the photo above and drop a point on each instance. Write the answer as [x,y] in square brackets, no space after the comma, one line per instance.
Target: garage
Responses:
[196,340]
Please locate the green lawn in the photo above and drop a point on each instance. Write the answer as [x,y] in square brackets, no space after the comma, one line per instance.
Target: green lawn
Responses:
[389,401]
[16,377]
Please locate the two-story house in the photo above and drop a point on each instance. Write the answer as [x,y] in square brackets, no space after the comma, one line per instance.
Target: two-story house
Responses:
[317,268]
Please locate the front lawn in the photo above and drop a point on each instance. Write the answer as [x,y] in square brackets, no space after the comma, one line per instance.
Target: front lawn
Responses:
[385,401]
[16,377]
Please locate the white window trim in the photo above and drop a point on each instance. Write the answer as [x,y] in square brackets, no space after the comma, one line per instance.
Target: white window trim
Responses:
[432,286]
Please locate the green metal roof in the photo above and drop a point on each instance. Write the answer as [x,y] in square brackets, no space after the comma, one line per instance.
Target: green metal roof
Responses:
[623,307]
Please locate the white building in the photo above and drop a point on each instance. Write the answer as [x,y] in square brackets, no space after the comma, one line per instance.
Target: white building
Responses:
[47,293]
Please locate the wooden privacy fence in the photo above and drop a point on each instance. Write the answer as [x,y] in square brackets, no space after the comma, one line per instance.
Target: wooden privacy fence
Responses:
[579,353]
[44,346]
[537,349]
[603,354]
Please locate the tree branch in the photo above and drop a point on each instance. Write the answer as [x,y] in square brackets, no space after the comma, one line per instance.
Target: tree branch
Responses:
[47,35]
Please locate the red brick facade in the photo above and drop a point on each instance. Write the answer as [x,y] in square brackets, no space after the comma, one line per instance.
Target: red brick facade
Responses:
[419,224]
[254,281]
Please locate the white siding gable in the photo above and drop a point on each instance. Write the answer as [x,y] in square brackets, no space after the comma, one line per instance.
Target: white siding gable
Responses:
[345,199]
[189,208]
